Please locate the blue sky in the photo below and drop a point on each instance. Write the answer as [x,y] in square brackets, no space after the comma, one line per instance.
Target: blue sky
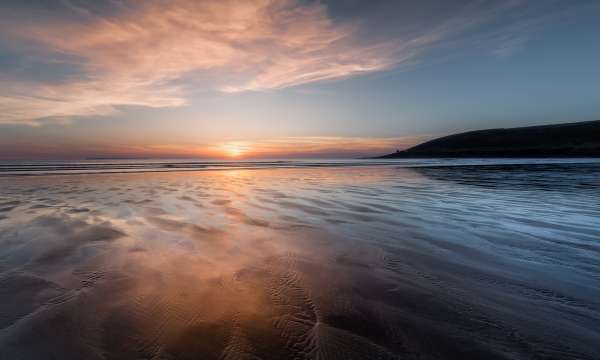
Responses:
[285,78]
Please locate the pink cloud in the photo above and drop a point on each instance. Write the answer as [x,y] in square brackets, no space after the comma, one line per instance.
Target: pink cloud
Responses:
[284,147]
[138,57]
[151,52]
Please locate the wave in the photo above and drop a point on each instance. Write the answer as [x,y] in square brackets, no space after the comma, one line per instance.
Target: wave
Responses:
[23,168]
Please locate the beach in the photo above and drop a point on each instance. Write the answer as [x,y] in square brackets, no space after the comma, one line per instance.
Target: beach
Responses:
[321,260]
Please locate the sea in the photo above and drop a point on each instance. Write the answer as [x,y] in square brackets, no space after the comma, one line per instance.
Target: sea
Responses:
[300,259]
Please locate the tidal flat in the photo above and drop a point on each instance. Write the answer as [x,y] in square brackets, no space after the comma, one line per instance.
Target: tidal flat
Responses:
[341,262]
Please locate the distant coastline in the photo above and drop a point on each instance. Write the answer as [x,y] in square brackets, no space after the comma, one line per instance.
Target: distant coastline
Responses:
[581,139]
[117,158]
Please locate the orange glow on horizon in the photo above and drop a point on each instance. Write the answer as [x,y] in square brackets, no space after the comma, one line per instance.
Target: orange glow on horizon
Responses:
[285,147]
[234,149]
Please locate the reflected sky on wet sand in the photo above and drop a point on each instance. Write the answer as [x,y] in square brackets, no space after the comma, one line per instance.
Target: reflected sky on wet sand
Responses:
[310,263]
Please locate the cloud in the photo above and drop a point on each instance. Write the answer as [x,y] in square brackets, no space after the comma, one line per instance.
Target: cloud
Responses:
[313,146]
[144,55]
[283,147]
[155,53]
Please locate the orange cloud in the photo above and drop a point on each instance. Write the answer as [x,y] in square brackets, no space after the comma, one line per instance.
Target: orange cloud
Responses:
[152,52]
[144,55]
[286,147]
[311,146]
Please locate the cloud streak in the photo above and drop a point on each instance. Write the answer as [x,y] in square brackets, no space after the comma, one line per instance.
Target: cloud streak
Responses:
[145,55]
[154,53]
[284,147]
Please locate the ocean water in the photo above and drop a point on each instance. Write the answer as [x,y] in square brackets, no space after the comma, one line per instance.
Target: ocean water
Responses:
[411,259]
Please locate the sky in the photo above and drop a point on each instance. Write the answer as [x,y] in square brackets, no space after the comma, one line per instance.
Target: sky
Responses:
[244,79]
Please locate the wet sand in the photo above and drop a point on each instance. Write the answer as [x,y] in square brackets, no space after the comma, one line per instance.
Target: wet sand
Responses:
[303,263]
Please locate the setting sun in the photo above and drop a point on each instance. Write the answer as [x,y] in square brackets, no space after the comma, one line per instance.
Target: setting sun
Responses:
[234,150]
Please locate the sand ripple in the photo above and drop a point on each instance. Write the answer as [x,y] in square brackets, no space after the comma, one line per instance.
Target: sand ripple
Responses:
[489,262]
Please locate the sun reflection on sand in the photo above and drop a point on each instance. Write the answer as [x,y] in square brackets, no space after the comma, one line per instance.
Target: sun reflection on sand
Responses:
[331,263]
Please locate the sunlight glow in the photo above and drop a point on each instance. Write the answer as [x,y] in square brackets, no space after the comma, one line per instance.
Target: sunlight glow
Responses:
[234,150]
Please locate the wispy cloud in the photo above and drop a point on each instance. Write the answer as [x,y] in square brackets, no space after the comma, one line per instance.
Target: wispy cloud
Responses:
[284,147]
[150,53]
[143,56]
[314,146]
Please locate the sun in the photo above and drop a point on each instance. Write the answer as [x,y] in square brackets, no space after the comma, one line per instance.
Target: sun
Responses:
[234,150]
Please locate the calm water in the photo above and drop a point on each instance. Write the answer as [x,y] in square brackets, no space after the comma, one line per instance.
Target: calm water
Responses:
[301,260]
